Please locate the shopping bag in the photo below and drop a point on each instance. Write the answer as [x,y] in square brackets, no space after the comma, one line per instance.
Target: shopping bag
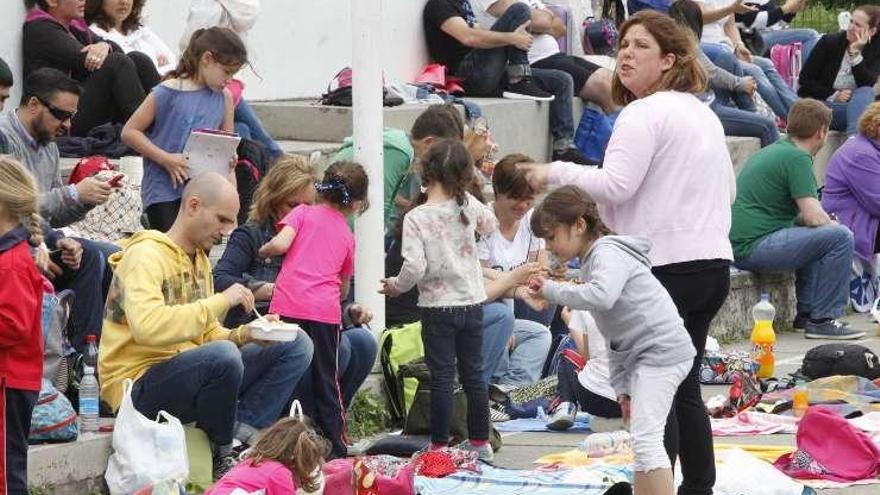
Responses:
[145,452]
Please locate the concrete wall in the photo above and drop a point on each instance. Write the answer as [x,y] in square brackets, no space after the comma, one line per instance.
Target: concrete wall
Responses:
[296,47]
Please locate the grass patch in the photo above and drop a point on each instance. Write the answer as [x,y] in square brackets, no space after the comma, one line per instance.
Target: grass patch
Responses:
[822,15]
[368,415]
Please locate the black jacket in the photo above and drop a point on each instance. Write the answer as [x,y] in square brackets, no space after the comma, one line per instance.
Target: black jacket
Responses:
[46,43]
[820,70]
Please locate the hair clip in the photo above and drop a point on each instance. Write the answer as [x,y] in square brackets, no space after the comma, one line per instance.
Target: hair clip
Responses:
[334,184]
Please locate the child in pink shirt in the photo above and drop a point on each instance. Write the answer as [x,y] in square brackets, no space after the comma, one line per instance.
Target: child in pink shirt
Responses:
[315,275]
[287,456]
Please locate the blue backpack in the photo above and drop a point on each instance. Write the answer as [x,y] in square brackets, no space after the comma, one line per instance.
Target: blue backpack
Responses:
[593,134]
[53,419]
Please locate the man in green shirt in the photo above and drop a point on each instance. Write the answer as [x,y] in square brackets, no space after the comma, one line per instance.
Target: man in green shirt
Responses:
[779,224]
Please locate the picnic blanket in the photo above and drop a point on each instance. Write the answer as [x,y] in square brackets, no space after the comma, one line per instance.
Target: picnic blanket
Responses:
[578,458]
[594,480]
[751,423]
[581,423]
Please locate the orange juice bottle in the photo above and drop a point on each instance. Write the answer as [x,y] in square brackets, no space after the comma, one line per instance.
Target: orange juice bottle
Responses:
[800,401]
[763,337]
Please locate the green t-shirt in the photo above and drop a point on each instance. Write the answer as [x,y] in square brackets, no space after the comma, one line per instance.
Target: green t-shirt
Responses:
[398,155]
[766,190]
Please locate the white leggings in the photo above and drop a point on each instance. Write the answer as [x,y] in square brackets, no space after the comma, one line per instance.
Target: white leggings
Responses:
[652,390]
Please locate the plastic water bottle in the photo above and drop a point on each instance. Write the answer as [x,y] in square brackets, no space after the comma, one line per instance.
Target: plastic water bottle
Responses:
[604,444]
[88,402]
[91,356]
[763,337]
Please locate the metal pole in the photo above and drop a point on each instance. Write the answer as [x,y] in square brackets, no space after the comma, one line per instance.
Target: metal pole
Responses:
[366,28]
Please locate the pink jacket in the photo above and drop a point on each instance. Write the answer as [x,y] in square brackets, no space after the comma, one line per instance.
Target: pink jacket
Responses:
[667,176]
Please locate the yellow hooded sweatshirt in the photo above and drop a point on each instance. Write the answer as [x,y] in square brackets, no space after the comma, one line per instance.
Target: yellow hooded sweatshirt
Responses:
[160,304]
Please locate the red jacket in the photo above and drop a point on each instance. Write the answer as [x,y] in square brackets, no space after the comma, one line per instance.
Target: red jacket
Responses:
[21,305]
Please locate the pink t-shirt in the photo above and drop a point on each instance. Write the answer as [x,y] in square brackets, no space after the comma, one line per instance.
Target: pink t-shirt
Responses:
[270,476]
[308,286]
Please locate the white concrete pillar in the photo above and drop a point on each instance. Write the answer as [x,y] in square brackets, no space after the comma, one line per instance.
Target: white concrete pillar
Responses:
[366,29]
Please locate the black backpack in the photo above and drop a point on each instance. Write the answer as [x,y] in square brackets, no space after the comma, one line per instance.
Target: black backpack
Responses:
[254,162]
[840,359]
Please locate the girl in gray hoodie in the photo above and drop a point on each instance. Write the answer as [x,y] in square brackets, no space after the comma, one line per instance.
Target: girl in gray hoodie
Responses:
[649,349]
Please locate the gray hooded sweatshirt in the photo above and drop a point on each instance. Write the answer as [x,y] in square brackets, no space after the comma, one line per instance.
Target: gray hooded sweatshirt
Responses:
[632,309]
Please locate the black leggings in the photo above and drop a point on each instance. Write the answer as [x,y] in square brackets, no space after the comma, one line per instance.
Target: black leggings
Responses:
[161,216]
[113,92]
[571,390]
[699,289]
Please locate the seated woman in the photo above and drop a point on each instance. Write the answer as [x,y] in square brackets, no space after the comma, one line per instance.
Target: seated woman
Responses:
[843,67]
[728,88]
[120,22]
[114,84]
[590,388]
[289,184]
[852,188]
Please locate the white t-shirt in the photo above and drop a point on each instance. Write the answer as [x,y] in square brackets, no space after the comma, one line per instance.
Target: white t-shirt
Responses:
[595,376]
[714,32]
[143,40]
[543,45]
[505,255]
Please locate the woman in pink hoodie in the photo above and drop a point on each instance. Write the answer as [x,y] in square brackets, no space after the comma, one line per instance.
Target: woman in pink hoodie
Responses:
[668,176]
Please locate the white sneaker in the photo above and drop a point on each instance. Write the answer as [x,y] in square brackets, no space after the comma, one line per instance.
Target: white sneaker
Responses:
[563,417]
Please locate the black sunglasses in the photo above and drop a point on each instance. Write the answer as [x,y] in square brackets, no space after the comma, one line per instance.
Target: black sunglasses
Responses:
[56,112]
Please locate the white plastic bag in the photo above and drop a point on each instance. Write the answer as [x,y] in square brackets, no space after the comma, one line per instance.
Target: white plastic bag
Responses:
[762,478]
[145,452]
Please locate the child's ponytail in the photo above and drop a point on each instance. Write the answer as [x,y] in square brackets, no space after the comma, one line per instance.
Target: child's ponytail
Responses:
[343,184]
[310,449]
[224,44]
[18,195]
[449,164]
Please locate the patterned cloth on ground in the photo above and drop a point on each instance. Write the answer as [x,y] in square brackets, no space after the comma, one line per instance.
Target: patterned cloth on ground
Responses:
[751,423]
[495,481]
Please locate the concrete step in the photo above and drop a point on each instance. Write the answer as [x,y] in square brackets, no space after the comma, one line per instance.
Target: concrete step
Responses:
[518,126]
[75,468]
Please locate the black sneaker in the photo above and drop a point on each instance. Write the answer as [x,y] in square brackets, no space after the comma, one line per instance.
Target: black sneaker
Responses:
[223,464]
[525,89]
[572,155]
[622,488]
[832,329]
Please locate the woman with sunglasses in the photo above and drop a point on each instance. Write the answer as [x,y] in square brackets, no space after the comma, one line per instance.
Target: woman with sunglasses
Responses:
[290,182]
[114,84]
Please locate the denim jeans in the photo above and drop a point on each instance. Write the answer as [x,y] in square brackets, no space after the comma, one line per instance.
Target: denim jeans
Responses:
[357,355]
[523,365]
[455,335]
[561,85]
[524,312]
[738,122]
[484,70]
[498,323]
[807,37]
[820,257]
[249,126]
[845,116]
[89,284]
[726,60]
[216,384]
[772,88]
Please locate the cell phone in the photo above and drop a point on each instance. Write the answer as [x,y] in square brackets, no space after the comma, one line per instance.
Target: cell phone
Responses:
[115,180]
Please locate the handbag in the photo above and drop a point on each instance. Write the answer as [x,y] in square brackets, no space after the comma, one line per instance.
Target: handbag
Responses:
[600,34]
[145,452]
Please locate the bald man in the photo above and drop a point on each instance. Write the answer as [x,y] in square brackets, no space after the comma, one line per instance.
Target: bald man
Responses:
[162,330]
